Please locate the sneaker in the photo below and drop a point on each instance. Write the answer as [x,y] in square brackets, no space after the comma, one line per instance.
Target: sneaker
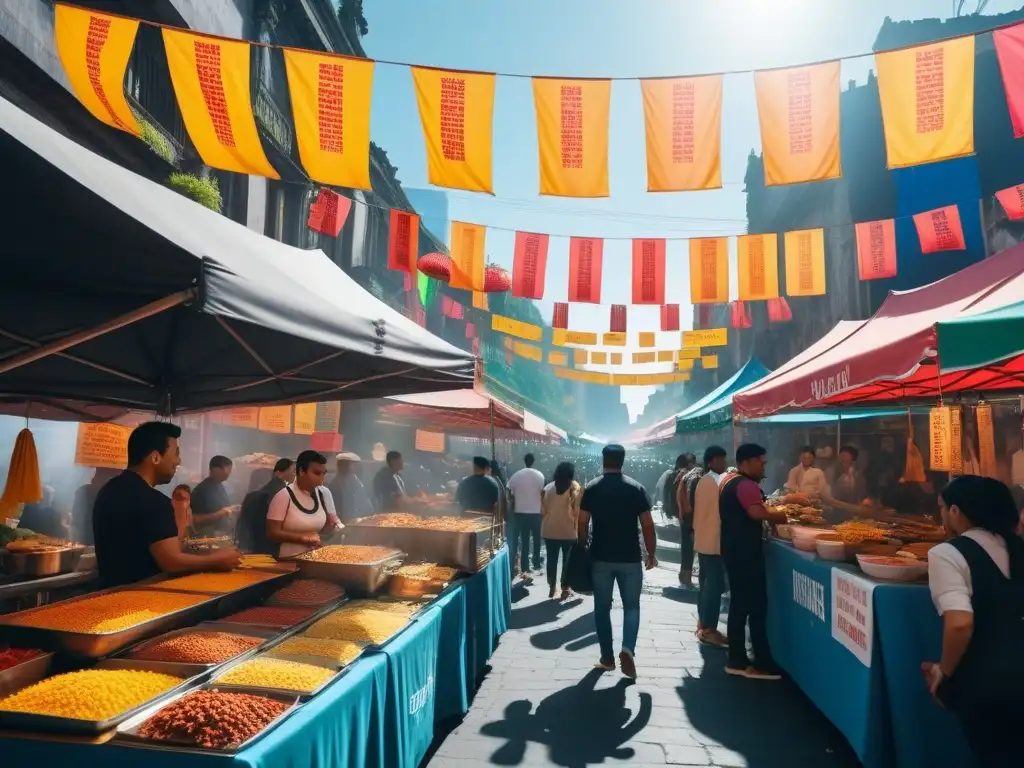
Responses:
[713,638]
[606,663]
[753,673]
[628,664]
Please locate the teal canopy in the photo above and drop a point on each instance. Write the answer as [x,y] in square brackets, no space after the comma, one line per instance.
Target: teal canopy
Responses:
[973,341]
[714,410]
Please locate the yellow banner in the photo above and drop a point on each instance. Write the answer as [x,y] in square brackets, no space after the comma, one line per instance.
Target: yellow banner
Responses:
[558,358]
[457,114]
[615,358]
[589,377]
[480,301]
[685,364]
[95,49]
[683,128]
[614,339]
[276,419]
[304,419]
[709,270]
[579,357]
[940,439]
[758,264]
[641,379]
[560,337]
[667,356]
[927,96]
[709,361]
[516,328]
[644,357]
[529,351]
[986,441]
[468,255]
[805,262]
[331,107]
[956,440]
[572,136]
[211,82]
[648,339]
[688,353]
[102,445]
[599,358]
[799,113]
[709,337]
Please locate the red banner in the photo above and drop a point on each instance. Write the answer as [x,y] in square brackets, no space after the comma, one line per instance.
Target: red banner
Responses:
[1010,52]
[876,249]
[560,316]
[705,315]
[1012,200]
[403,241]
[739,315]
[470,331]
[529,265]
[670,317]
[940,230]
[649,271]
[328,213]
[618,319]
[325,442]
[779,311]
[585,255]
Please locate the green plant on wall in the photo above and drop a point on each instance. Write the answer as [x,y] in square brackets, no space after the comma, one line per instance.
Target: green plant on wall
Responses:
[206,192]
[157,141]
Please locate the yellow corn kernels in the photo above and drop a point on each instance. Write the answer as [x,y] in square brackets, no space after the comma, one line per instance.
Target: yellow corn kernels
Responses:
[91,694]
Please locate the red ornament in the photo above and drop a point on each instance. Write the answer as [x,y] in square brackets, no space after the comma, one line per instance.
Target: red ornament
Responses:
[436,265]
[739,315]
[779,311]
[497,280]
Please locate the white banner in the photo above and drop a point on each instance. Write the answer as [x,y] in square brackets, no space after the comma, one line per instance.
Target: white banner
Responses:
[853,616]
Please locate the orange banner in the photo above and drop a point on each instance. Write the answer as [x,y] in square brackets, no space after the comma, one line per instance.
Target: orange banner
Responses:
[517,328]
[648,338]
[560,337]
[805,262]
[247,418]
[940,230]
[683,128]
[102,445]
[403,240]
[758,261]
[529,265]
[666,356]
[95,49]
[529,351]
[558,358]
[614,339]
[798,110]
[585,260]
[649,271]
[876,249]
[579,357]
[709,361]
[927,96]
[430,442]
[480,301]
[615,358]
[468,255]
[331,107]
[706,337]
[598,358]
[572,136]
[709,270]
[211,82]
[639,358]
[1012,200]
[276,419]
[457,114]
[304,420]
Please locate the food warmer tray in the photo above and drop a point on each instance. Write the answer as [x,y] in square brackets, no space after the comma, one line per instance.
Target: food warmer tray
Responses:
[24,674]
[91,645]
[322,661]
[128,731]
[266,635]
[267,691]
[359,578]
[230,602]
[36,564]
[465,550]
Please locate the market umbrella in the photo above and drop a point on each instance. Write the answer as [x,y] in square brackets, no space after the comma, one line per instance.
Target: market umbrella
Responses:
[715,408]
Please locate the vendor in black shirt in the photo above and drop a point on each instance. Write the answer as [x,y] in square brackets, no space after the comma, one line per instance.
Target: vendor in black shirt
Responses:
[133,523]
[211,507]
[478,492]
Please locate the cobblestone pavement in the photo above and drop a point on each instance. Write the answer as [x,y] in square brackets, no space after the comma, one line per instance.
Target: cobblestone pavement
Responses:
[543,704]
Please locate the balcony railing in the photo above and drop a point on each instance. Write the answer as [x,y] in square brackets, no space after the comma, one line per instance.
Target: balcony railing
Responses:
[271,119]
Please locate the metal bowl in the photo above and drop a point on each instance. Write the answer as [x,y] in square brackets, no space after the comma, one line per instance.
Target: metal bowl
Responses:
[49,562]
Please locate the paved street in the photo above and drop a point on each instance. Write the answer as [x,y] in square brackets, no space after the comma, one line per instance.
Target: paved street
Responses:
[543,704]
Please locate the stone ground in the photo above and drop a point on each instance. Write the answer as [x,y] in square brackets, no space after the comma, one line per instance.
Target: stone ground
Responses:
[543,704]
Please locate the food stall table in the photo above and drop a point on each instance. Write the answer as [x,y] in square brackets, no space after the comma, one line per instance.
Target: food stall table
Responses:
[488,607]
[451,677]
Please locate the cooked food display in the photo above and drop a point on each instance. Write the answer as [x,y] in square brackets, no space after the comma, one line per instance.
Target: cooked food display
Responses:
[90,694]
[340,651]
[12,657]
[426,572]
[916,551]
[309,592]
[403,607]
[348,554]
[214,582]
[358,625]
[856,532]
[38,544]
[209,542]
[111,612]
[798,513]
[272,615]
[277,673]
[913,531]
[213,719]
[406,520]
[195,647]
[257,460]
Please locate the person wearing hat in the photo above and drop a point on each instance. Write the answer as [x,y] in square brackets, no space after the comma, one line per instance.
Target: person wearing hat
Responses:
[347,489]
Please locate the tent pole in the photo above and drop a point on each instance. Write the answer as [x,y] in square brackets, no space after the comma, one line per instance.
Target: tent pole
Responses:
[55,347]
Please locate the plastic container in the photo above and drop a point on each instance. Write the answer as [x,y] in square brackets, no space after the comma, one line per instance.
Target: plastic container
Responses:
[804,539]
[834,551]
[892,568]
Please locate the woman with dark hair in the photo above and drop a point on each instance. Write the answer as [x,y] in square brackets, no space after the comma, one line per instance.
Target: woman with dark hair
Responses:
[560,509]
[977,585]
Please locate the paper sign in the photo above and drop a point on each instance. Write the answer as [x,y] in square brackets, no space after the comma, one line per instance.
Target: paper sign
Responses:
[710,337]
[432,442]
[516,328]
[326,442]
[709,361]
[940,441]
[561,337]
[853,616]
[328,416]
[688,353]
[305,419]
[248,418]
[276,419]
[613,339]
[102,445]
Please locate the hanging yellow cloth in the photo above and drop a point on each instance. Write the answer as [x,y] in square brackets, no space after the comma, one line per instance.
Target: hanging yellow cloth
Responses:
[23,484]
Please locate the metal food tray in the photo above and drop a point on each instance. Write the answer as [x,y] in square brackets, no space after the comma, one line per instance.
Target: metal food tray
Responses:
[265,637]
[303,695]
[322,661]
[361,578]
[230,602]
[92,645]
[128,731]
[465,550]
[24,674]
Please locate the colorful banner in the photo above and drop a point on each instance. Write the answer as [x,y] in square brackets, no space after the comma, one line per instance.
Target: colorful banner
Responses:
[102,444]
[805,262]
[585,259]
[940,230]
[468,249]
[330,98]
[517,328]
[779,311]
[1012,200]
[457,114]
[709,270]
[328,416]
[304,420]
[758,262]
[328,213]
[560,315]
[326,442]
[95,49]
[798,110]
[670,317]
[876,249]
[529,351]
[649,271]
[739,315]
[403,241]
[529,265]
[211,83]
[561,338]
[683,129]
[558,358]
[244,418]
[709,361]
[613,339]
[927,96]
[572,136]
[1009,44]
[617,319]
[648,339]
[709,337]
[986,441]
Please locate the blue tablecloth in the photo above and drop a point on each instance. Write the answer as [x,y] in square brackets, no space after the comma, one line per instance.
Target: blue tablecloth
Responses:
[488,607]
[451,674]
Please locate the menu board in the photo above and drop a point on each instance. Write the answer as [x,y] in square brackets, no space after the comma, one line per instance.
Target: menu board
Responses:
[432,442]
[305,419]
[276,419]
[102,445]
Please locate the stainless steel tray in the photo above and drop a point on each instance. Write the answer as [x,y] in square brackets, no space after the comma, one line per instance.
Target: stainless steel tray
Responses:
[263,636]
[38,564]
[230,602]
[464,550]
[28,672]
[304,695]
[318,660]
[128,731]
[359,578]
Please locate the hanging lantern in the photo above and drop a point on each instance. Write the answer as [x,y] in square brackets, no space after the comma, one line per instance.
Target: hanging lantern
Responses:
[435,265]
[739,315]
[779,310]
[497,280]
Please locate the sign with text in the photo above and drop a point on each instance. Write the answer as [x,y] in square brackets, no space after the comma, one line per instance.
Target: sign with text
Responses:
[432,442]
[102,445]
[709,337]
[328,416]
[304,421]
[276,419]
[809,594]
[853,622]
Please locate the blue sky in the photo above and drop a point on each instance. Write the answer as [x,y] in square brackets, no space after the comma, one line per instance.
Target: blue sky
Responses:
[609,38]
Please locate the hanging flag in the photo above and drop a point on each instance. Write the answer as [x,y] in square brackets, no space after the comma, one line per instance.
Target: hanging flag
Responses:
[670,317]
[480,301]
[529,265]
[708,362]
[599,358]
[648,339]
[683,129]
[758,261]
[617,324]
[403,241]
[560,337]
[805,262]
[558,358]
[585,257]
[666,356]
[615,358]
[940,439]
[739,315]
[940,230]
[798,109]
[927,96]
[572,136]
[330,97]
[779,311]
[986,441]
[686,363]
[1009,44]
[640,358]
[470,330]
[468,255]
[709,270]
[276,419]
[579,357]
[457,114]
[705,314]
[709,337]
[211,83]
[1012,200]
[328,212]
[517,328]
[649,271]
[876,249]
[94,49]
[560,315]
[304,422]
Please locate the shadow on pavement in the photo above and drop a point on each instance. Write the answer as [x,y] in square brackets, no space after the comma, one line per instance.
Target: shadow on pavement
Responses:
[680,595]
[571,636]
[579,725]
[541,613]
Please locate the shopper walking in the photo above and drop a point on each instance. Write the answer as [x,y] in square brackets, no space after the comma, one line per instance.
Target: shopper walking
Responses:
[560,509]
[617,505]
[742,509]
[526,487]
[686,487]
[707,530]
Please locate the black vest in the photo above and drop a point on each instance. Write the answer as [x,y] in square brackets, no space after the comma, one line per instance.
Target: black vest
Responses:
[741,534]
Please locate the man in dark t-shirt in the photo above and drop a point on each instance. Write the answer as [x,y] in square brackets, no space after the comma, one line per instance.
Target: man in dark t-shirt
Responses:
[478,492]
[211,507]
[388,485]
[617,506]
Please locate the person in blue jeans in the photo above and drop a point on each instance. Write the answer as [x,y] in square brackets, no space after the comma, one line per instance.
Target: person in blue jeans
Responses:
[615,505]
